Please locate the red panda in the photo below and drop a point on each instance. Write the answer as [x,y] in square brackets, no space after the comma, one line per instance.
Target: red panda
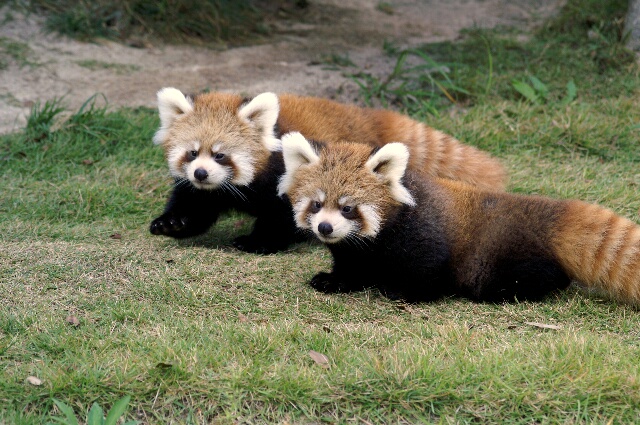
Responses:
[419,238]
[224,153]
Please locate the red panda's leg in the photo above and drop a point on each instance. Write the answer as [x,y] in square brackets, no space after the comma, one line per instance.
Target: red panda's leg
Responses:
[273,231]
[189,212]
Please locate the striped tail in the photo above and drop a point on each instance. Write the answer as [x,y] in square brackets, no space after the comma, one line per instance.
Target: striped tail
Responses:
[437,154]
[600,249]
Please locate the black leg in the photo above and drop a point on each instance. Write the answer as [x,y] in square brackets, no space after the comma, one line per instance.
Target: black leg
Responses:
[272,232]
[189,212]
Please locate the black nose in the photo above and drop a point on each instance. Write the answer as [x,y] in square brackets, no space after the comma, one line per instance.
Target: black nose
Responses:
[325,228]
[201,174]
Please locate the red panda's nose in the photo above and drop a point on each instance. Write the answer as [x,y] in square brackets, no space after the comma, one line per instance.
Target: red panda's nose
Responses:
[325,228]
[201,174]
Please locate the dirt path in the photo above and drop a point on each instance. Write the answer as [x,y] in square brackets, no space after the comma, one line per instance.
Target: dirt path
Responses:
[291,61]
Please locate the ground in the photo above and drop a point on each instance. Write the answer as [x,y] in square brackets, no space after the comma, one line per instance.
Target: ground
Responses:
[295,58]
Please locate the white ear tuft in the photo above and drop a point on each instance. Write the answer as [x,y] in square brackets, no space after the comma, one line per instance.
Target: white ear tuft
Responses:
[296,152]
[390,162]
[262,113]
[171,104]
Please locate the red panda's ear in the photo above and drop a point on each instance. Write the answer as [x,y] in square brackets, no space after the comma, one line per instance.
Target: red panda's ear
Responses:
[171,104]
[296,152]
[390,163]
[262,113]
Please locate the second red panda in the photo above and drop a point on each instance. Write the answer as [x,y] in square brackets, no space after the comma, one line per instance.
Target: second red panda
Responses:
[421,238]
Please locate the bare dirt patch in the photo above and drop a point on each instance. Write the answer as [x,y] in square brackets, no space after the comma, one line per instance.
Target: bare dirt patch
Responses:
[292,60]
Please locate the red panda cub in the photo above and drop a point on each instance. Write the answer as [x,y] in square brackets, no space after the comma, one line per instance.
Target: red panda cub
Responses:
[419,238]
[224,153]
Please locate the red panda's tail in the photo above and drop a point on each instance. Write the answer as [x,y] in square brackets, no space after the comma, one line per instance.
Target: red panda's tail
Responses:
[600,249]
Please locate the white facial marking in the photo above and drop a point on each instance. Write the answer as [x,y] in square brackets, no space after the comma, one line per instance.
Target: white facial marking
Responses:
[176,154]
[341,226]
[371,220]
[245,169]
[216,174]
[300,212]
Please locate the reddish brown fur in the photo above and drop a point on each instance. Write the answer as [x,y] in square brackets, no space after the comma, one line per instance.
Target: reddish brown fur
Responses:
[214,120]
[341,166]
[601,249]
[596,247]
[432,152]
[591,244]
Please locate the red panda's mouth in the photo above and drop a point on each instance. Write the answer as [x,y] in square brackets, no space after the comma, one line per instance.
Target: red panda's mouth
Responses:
[329,239]
[205,185]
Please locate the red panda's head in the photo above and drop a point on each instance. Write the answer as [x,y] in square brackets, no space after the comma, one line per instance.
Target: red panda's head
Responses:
[215,139]
[343,191]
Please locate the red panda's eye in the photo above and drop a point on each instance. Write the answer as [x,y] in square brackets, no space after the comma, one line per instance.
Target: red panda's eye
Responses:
[315,207]
[348,212]
[219,156]
[191,155]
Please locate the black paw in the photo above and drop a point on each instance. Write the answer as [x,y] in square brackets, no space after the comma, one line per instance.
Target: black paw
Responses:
[327,283]
[248,243]
[170,225]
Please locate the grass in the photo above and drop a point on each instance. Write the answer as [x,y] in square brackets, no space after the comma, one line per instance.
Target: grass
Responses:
[15,52]
[118,68]
[196,332]
[167,20]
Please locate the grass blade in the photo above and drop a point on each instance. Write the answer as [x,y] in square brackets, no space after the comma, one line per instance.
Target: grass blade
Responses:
[572,93]
[67,411]
[96,415]
[540,88]
[117,410]
[526,91]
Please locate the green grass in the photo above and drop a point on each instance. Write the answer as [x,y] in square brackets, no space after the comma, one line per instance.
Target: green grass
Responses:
[197,332]
[167,20]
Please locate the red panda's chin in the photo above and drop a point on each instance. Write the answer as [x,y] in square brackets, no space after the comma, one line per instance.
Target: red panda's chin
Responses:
[205,185]
[329,239]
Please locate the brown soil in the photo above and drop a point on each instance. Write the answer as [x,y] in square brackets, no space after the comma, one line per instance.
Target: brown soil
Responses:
[293,59]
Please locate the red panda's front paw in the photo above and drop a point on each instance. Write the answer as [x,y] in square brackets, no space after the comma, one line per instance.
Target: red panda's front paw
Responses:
[327,283]
[169,225]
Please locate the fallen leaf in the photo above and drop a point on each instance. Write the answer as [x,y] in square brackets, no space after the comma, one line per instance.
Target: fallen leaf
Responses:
[34,381]
[320,359]
[163,365]
[116,236]
[72,320]
[543,325]
[88,161]
[242,318]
